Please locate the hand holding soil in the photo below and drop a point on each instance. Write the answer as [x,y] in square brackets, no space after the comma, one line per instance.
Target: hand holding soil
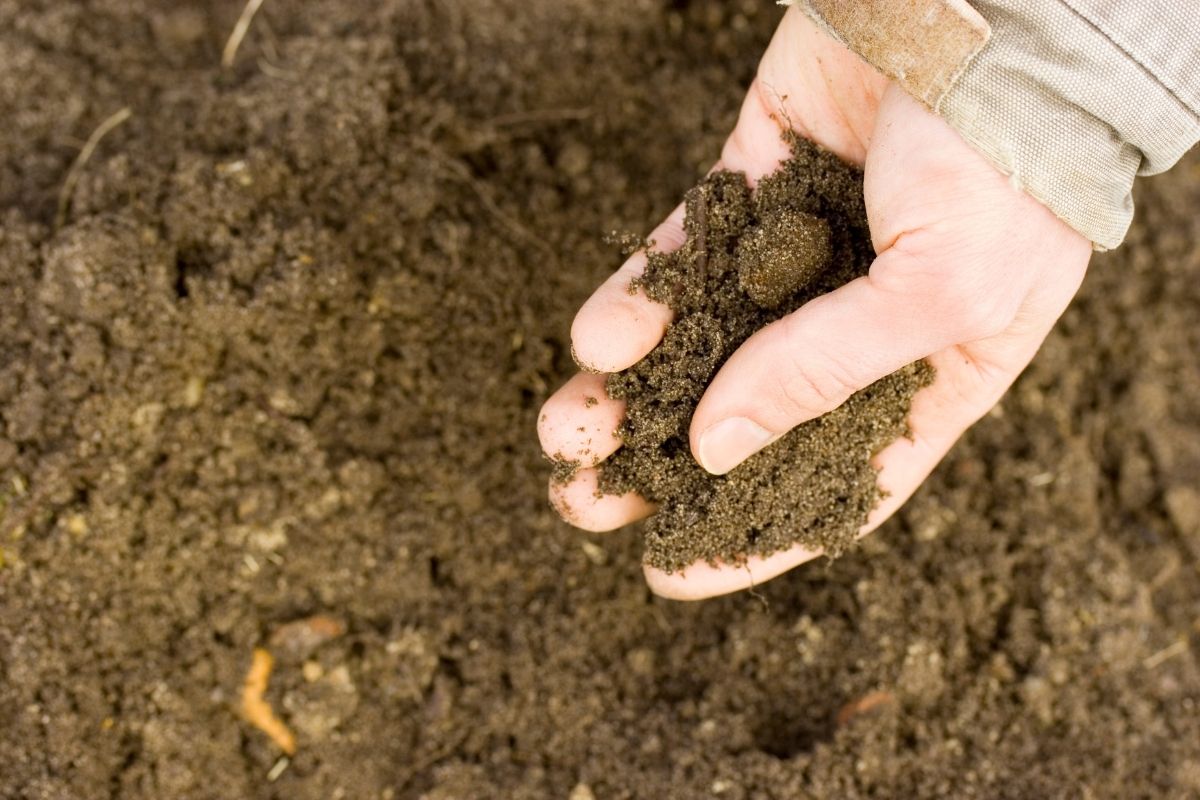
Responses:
[970,274]
[274,337]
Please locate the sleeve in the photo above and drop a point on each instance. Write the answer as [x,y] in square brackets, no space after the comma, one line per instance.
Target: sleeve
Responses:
[1071,98]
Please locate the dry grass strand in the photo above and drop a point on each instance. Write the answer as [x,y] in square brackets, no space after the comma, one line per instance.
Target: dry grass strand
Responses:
[85,154]
[239,32]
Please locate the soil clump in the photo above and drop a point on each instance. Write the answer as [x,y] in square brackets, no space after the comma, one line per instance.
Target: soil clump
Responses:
[749,259]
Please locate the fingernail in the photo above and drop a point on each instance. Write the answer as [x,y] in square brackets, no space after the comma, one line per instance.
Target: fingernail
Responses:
[730,442]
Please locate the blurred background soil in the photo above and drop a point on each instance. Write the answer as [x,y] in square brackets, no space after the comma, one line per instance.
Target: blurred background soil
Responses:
[274,384]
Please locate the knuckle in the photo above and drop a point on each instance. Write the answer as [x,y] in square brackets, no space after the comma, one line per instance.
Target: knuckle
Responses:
[991,321]
[736,149]
[805,395]
[811,383]
[965,293]
[981,311]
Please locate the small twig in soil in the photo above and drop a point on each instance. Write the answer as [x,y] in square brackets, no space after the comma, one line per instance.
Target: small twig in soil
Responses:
[270,42]
[701,212]
[1166,574]
[754,592]
[89,147]
[278,73]
[239,32]
[869,704]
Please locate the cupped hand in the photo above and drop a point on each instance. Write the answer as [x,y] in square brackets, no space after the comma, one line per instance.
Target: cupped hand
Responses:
[970,273]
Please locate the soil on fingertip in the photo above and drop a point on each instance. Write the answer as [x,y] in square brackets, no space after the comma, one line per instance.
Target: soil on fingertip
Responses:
[749,259]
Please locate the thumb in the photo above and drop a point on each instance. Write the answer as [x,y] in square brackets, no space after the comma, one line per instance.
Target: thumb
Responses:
[809,362]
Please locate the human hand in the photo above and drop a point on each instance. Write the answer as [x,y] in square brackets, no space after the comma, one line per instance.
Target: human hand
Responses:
[970,273]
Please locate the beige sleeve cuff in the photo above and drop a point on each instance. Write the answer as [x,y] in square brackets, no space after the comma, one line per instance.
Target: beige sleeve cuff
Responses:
[1071,98]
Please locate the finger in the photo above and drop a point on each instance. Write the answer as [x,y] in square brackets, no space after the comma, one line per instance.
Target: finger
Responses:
[834,106]
[700,581]
[614,329]
[756,146]
[580,503]
[579,422]
[812,360]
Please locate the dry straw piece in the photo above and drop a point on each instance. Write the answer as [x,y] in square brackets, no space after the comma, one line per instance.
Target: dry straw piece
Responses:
[239,32]
[89,147]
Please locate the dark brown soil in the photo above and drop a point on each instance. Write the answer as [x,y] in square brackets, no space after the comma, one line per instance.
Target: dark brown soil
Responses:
[283,363]
[747,261]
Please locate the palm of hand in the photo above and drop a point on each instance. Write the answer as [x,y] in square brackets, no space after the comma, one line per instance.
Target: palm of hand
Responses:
[970,273]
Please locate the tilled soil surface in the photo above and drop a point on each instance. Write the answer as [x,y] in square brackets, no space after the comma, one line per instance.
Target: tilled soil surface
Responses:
[273,384]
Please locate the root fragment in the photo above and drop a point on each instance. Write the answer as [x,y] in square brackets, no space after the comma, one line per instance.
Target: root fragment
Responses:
[256,710]
[868,705]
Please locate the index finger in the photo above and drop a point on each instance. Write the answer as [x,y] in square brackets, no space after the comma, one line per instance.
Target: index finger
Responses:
[615,328]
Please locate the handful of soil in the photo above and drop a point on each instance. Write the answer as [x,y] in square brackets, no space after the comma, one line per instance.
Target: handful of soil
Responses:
[749,259]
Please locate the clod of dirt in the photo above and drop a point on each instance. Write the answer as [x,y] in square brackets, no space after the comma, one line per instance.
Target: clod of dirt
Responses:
[783,253]
[749,259]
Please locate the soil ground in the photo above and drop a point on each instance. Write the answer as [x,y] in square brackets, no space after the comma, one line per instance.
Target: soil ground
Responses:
[274,382]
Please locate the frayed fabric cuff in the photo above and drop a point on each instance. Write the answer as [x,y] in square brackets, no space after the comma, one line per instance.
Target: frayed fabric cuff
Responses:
[1069,102]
